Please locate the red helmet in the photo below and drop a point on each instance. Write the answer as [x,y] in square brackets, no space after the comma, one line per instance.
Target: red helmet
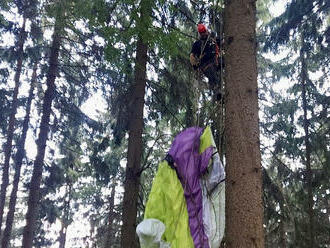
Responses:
[201,28]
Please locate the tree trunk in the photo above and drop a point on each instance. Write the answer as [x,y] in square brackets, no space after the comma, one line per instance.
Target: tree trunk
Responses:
[309,172]
[33,202]
[11,123]
[296,234]
[244,207]
[65,221]
[62,238]
[132,180]
[18,163]
[282,234]
[134,150]
[110,236]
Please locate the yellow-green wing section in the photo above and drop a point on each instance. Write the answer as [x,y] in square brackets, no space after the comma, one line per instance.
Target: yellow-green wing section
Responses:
[206,140]
[167,203]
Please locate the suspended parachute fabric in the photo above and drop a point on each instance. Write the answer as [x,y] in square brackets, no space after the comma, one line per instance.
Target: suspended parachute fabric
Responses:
[213,188]
[191,165]
[167,203]
[194,189]
[206,140]
[150,233]
[215,172]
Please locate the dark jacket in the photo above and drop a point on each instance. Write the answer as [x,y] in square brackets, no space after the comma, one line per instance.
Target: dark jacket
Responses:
[208,51]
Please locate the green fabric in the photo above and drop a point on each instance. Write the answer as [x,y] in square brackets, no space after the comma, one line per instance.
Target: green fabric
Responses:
[167,203]
[206,140]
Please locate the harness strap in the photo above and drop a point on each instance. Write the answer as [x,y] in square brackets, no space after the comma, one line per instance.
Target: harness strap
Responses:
[203,48]
[207,66]
[202,54]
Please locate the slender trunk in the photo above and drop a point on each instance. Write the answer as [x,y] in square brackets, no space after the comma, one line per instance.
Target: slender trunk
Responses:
[244,207]
[132,180]
[218,128]
[327,202]
[62,239]
[65,221]
[282,242]
[190,114]
[11,123]
[33,202]
[110,237]
[309,172]
[18,163]
[296,233]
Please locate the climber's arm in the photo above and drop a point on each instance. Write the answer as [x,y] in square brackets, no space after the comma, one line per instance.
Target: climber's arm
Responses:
[193,60]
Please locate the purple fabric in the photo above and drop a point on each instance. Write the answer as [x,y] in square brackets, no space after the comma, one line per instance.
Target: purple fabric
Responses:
[190,166]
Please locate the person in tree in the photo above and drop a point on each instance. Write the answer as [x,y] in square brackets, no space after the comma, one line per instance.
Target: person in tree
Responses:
[204,56]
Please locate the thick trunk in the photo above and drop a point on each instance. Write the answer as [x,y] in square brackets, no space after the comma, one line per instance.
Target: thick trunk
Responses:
[18,164]
[110,237]
[33,202]
[134,149]
[308,151]
[244,207]
[134,153]
[11,123]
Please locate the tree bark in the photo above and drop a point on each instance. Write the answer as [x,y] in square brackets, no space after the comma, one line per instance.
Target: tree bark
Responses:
[11,123]
[134,153]
[18,163]
[244,207]
[134,150]
[309,173]
[34,190]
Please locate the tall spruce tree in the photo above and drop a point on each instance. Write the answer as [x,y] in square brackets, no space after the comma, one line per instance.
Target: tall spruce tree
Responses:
[11,123]
[302,30]
[78,52]
[18,163]
[135,128]
[244,209]
[34,188]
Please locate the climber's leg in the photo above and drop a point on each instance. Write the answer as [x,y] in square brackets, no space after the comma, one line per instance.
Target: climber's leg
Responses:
[214,80]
